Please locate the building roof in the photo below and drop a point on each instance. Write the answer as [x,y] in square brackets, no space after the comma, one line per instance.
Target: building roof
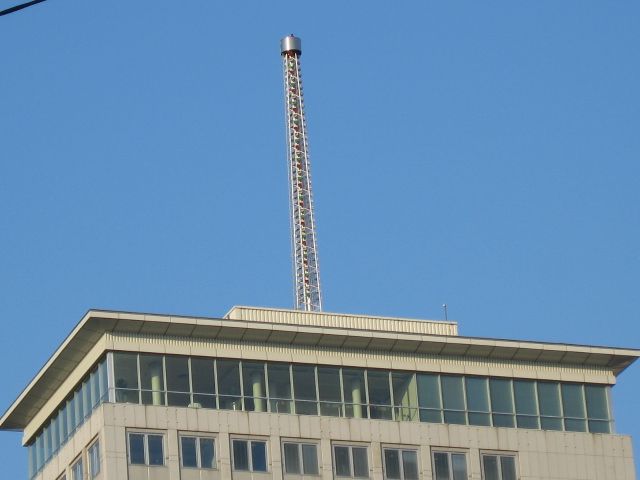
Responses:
[292,327]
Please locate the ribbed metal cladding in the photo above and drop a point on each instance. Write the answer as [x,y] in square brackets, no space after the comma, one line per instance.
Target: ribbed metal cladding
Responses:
[306,270]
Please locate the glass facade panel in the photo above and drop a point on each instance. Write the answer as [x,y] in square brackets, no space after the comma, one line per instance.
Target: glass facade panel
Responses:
[152,379]
[549,404]
[125,367]
[524,392]
[94,460]
[573,405]
[255,393]
[453,399]
[379,394]
[310,459]
[597,405]
[329,391]
[502,402]
[178,388]
[203,382]
[279,387]
[490,467]
[229,384]
[477,391]
[354,393]
[189,452]
[508,467]
[405,396]
[304,389]
[392,464]
[429,398]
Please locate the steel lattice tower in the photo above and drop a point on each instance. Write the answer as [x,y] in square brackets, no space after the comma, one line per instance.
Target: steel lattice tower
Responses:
[303,229]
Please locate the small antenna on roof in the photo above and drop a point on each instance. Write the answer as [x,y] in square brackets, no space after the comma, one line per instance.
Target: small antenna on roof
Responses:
[444,307]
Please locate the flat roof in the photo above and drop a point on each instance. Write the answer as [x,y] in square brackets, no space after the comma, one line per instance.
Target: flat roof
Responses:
[96,323]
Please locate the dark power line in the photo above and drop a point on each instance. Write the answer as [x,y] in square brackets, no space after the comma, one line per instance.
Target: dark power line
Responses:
[19,7]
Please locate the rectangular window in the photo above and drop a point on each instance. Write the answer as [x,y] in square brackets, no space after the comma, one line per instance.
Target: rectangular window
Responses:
[178,388]
[152,379]
[249,455]
[197,452]
[355,397]
[429,398]
[77,470]
[379,394]
[146,449]
[300,458]
[125,367]
[405,396]
[203,382]
[499,467]
[573,406]
[94,459]
[502,402]
[304,389]
[255,393]
[351,461]
[449,466]
[477,390]
[524,393]
[597,408]
[453,399]
[279,387]
[229,384]
[549,403]
[329,391]
[400,464]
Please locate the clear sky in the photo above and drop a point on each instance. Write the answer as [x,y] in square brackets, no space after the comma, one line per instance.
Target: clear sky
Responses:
[479,154]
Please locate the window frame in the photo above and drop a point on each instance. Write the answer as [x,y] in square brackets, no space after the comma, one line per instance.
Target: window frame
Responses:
[249,441]
[400,449]
[145,446]
[198,438]
[498,454]
[299,444]
[350,446]
[79,460]
[449,452]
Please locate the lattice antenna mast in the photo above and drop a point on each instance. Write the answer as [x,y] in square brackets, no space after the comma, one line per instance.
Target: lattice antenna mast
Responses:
[303,230]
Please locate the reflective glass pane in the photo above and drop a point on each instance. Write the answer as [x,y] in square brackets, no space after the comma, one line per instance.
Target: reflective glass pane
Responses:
[177,370]
[259,456]
[310,459]
[573,400]
[207,453]
[501,396]
[136,449]
[354,394]
[479,419]
[360,462]
[152,379]
[503,420]
[229,384]
[549,399]
[428,391]
[441,466]
[254,386]
[291,458]
[599,426]
[477,394]
[240,455]
[459,466]
[279,387]
[410,464]
[551,423]
[379,392]
[405,395]
[575,425]
[304,382]
[524,392]
[125,367]
[189,453]
[596,396]
[77,470]
[490,467]
[392,464]
[94,460]
[526,421]
[329,384]
[508,466]
[452,392]
[203,376]
[341,460]
[455,417]
[431,416]
[156,449]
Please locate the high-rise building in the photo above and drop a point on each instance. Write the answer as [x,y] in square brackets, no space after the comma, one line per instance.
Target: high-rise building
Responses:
[284,394]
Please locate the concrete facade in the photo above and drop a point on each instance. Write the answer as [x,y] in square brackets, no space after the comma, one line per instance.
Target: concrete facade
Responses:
[316,339]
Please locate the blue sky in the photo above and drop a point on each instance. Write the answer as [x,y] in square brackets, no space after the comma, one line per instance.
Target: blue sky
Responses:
[479,154]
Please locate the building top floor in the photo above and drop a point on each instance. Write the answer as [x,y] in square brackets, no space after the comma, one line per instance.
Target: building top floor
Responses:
[293,336]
